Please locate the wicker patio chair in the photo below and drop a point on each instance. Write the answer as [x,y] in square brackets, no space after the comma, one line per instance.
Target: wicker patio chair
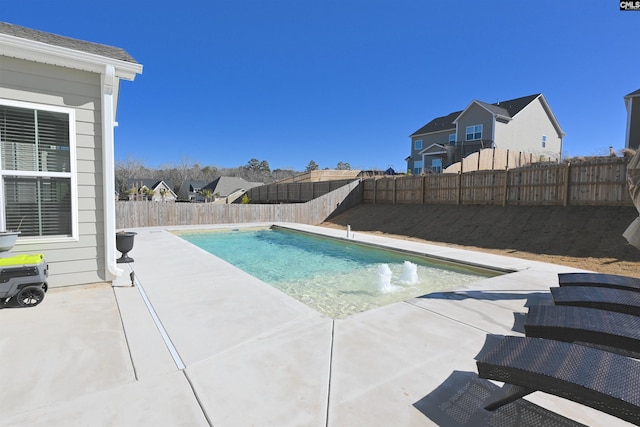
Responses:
[602,380]
[585,325]
[602,298]
[602,280]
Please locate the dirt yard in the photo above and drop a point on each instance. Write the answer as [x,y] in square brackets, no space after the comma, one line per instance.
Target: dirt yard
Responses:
[587,237]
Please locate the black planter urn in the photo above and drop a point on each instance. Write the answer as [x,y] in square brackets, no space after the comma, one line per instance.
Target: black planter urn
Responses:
[124,243]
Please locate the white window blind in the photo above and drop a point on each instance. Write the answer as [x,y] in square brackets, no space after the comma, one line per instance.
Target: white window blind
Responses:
[35,153]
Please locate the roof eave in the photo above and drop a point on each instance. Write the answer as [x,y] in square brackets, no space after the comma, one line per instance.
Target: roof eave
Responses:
[455,121]
[479,104]
[549,112]
[634,94]
[31,50]
[431,133]
[503,117]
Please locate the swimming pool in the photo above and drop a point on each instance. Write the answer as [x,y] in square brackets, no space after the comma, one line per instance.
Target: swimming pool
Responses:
[332,276]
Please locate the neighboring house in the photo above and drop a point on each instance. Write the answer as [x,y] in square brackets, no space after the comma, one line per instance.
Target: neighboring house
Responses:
[229,187]
[162,191]
[58,99]
[632,102]
[524,124]
[190,191]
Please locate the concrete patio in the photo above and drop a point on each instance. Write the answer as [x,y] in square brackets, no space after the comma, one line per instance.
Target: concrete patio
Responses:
[221,348]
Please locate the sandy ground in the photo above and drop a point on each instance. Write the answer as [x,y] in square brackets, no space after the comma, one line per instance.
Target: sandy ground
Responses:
[586,237]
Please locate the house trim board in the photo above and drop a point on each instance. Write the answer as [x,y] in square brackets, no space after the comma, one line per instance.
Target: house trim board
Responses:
[110,71]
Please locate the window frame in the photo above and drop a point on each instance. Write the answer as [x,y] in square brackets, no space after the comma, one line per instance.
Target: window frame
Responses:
[418,167]
[436,165]
[544,141]
[71,174]
[475,136]
[452,141]
[415,144]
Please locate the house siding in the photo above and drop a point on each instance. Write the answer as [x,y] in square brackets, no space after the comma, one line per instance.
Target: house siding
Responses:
[633,138]
[441,137]
[524,133]
[433,152]
[475,115]
[81,261]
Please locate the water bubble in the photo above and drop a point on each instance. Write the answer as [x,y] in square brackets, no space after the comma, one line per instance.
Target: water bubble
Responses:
[384,278]
[409,274]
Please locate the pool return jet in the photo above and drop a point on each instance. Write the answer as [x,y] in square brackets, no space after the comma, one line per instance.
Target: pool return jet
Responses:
[409,277]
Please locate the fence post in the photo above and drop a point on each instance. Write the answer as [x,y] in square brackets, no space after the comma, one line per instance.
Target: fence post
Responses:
[459,188]
[567,176]
[394,190]
[506,186]
[424,188]
[375,189]
[493,159]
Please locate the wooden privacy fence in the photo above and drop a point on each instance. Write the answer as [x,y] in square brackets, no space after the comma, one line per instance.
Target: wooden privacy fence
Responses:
[295,192]
[131,214]
[602,182]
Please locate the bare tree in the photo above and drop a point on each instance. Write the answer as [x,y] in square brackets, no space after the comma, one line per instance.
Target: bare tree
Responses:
[130,168]
[175,174]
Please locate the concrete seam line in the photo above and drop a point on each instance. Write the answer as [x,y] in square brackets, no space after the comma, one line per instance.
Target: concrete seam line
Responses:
[333,327]
[126,338]
[446,317]
[167,341]
[204,412]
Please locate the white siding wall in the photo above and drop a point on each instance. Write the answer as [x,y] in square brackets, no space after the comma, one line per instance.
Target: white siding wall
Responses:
[82,261]
[524,133]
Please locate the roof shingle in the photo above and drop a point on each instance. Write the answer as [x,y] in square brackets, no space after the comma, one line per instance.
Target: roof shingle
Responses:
[507,108]
[66,42]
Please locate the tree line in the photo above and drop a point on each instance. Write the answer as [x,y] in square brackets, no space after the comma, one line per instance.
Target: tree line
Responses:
[254,171]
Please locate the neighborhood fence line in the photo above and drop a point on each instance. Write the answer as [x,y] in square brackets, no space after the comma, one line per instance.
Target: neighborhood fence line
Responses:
[294,192]
[130,214]
[598,182]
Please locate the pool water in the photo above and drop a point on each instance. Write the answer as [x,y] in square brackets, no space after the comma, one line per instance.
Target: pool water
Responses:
[334,277]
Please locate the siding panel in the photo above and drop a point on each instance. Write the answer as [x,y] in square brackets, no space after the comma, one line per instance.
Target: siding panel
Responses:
[82,261]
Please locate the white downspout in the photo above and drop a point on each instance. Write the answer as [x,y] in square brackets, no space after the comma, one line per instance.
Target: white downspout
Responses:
[629,105]
[493,133]
[109,87]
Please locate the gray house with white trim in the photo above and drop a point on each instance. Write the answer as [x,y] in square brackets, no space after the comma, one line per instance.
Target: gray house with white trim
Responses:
[138,189]
[524,124]
[632,103]
[58,99]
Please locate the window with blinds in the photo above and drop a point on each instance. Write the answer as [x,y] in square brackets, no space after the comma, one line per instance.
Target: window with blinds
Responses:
[35,160]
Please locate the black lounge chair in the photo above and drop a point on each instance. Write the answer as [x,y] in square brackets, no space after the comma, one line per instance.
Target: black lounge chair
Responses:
[596,279]
[602,298]
[585,325]
[602,380]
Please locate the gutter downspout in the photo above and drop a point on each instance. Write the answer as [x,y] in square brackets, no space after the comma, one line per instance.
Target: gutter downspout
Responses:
[629,104]
[109,89]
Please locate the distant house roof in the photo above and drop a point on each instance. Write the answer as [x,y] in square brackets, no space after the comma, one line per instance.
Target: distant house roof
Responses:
[514,106]
[506,109]
[66,42]
[192,186]
[438,124]
[226,185]
[149,183]
[188,190]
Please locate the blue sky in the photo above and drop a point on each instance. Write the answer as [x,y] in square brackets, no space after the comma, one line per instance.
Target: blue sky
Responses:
[289,81]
